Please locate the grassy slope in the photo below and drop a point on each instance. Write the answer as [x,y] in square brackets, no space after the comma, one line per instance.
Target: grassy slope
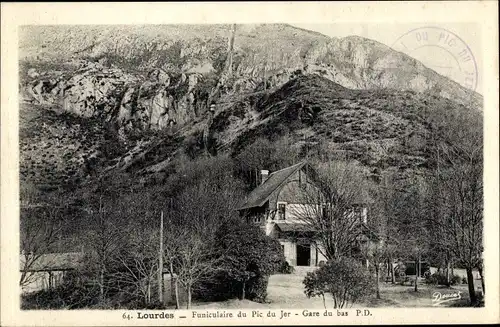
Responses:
[381,128]
[54,148]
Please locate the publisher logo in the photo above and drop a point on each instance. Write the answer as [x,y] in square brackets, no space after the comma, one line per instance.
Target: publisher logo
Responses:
[438,297]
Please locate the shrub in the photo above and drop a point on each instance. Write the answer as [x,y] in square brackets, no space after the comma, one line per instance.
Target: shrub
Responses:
[464,280]
[219,287]
[345,279]
[440,279]
[431,279]
[257,288]
[285,268]
[455,280]
[248,257]
[66,296]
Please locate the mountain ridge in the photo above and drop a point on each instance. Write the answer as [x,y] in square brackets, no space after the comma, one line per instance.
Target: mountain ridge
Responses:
[259,49]
[349,95]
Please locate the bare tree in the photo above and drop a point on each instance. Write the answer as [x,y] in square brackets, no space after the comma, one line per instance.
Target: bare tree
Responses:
[379,248]
[376,253]
[459,187]
[383,219]
[137,266]
[329,207]
[203,197]
[263,154]
[102,241]
[413,231]
[172,245]
[200,212]
[195,261]
[190,238]
[41,226]
[41,229]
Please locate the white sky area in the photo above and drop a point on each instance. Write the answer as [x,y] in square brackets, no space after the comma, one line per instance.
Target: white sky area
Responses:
[434,57]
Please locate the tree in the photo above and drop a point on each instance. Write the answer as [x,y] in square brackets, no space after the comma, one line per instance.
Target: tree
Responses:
[384,218]
[195,260]
[247,254]
[203,196]
[381,245]
[200,211]
[41,226]
[376,253]
[137,263]
[172,236]
[103,241]
[345,279]
[40,231]
[264,154]
[459,188]
[328,207]
[412,225]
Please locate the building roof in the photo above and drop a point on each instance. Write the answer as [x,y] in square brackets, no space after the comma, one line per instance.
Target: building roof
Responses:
[54,261]
[261,193]
[294,227]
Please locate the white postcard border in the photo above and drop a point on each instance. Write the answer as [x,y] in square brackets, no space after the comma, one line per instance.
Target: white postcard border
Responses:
[483,13]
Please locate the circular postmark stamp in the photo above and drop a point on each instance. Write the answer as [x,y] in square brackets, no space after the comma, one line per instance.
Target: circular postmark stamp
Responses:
[442,51]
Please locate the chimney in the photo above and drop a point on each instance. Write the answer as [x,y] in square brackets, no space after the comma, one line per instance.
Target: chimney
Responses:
[264,174]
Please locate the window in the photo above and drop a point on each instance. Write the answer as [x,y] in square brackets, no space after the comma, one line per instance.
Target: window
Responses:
[256,219]
[360,213]
[283,248]
[324,211]
[364,215]
[281,211]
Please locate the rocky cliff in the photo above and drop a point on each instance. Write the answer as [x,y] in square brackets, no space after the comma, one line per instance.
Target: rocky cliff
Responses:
[150,63]
[153,85]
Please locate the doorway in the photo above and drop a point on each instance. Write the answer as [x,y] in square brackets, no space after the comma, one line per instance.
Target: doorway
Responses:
[303,254]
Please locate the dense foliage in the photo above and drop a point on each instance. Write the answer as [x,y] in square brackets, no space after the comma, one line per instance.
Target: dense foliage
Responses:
[248,258]
[442,279]
[418,156]
[345,279]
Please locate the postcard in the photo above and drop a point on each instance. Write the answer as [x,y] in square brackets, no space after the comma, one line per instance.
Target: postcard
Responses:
[245,163]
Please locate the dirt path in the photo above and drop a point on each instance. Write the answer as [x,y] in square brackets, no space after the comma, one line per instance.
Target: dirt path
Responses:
[288,291]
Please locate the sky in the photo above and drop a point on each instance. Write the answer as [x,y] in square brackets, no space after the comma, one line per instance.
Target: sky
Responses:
[453,50]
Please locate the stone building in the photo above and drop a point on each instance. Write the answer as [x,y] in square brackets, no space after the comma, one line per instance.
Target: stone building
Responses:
[279,204]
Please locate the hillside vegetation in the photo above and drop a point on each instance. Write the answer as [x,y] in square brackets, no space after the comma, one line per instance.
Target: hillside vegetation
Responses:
[122,125]
[104,99]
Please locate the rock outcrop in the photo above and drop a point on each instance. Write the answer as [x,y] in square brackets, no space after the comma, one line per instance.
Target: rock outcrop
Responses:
[130,101]
[136,79]
[259,55]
